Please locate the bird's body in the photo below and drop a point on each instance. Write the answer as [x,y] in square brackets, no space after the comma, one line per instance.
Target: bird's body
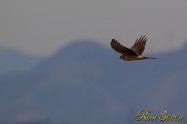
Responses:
[130,58]
[134,53]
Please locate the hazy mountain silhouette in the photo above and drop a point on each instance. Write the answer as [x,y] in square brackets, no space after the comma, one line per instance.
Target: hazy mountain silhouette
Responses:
[13,61]
[88,83]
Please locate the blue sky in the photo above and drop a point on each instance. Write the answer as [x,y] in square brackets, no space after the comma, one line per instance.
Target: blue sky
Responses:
[41,27]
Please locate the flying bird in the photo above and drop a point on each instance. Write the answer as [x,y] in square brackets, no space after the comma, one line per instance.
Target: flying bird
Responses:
[134,53]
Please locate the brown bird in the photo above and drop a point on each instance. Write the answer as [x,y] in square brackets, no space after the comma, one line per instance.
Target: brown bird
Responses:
[134,53]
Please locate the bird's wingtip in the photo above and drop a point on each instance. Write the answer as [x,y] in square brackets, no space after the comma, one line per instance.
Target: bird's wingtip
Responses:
[113,40]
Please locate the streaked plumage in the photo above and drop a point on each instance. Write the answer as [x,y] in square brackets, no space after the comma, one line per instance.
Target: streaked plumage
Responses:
[134,53]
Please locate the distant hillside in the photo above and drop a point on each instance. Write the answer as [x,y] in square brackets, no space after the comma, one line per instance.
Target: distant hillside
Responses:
[85,83]
[12,61]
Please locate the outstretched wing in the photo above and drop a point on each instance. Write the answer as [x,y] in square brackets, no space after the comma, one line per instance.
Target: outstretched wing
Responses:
[121,49]
[139,45]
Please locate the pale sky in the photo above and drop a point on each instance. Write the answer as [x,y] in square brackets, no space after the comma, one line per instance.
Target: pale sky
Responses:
[43,26]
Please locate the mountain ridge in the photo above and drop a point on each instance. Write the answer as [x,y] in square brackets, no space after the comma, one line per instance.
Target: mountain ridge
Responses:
[14,61]
[88,83]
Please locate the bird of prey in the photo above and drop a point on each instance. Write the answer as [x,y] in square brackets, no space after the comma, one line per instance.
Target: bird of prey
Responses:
[134,53]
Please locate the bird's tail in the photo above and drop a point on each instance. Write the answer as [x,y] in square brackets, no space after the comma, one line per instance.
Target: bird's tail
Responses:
[148,57]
